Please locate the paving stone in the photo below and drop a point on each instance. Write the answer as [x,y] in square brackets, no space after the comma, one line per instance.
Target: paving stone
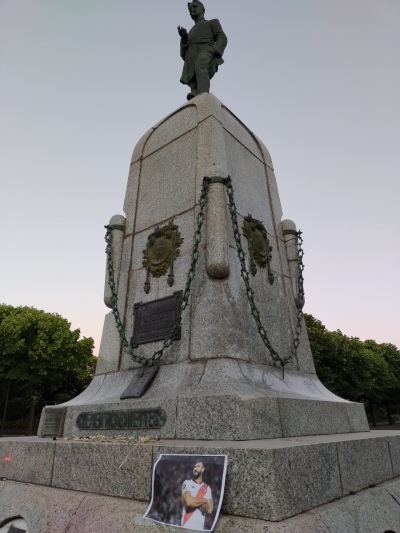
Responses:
[26,461]
[364,463]
[107,468]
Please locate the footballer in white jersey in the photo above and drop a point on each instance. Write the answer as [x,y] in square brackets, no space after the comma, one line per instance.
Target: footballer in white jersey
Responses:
[197,500]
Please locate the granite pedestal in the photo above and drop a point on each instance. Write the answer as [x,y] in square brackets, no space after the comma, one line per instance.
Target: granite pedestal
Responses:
[220,370]
[323,484]
[300,459]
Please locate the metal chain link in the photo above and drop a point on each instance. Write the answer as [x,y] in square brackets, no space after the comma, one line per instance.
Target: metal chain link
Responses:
[190,276]
[114,299]
[155,358]
[299,301]
[300,298]
[246,278]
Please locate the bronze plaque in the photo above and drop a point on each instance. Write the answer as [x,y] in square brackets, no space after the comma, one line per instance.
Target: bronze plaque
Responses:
[125,419]
[54,423]
[140,382]
[155,321]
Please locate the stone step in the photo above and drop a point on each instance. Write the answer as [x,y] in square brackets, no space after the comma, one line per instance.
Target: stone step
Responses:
[270,479]
[51,510]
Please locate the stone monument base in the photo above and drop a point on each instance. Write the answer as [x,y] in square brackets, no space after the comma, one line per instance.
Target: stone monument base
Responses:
[256,402]
[319,484]
[53,510]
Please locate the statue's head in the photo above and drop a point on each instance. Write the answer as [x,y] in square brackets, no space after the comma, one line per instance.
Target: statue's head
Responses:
[196,9]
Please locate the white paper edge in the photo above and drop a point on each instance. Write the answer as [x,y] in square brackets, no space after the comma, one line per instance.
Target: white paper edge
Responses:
[197,456]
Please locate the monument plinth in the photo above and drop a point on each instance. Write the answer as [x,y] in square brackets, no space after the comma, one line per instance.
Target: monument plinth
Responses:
[219,380]
[204,352]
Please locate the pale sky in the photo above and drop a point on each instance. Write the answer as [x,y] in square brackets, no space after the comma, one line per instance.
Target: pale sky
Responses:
[317,80]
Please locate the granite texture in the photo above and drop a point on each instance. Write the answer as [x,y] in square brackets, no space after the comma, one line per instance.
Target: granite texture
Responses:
[312,418]
[131,195]
[364,463]
[221,321]
[115,469]
[294,385]
[249,183]
[294,469]
[357,419]
[275,478]
[211,151]
[394,449]
[117,240]
[279,250]
[227,328]
[91,391]
[111,385]
[238,130]
[288,225]
[371,511]
[173,127]
[207,106]
[291,246]
[274,484]
[304,356]
[265,153]
[49,510]
[274,199]
[26,462]
[139,147]
[216,240]
[110,347]
[393,488]
[301,524]
[168,166]
[228,399]
[228,417]
[127,255]
[166,182]
[46,510]
[111,515]
[274,305]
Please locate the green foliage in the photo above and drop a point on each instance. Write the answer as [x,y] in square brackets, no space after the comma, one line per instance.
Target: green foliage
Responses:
[354,369]
[40,355]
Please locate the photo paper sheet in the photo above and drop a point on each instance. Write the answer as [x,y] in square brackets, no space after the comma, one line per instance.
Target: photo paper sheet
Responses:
[188,490]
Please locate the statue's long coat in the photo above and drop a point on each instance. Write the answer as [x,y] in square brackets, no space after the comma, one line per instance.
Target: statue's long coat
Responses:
[203,35]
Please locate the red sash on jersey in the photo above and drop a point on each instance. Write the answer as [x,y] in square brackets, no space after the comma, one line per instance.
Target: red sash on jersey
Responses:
[200,494]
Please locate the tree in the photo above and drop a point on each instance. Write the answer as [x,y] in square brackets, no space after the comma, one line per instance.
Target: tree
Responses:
[353,369]
[40,355]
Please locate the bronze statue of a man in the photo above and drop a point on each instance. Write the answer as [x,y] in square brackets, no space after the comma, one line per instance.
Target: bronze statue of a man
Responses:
[201,49]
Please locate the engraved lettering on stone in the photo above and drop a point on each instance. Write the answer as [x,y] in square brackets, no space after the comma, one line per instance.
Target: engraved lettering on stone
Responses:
[122,420]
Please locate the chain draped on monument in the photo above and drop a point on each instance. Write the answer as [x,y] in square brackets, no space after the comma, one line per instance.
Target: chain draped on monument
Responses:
[299,300]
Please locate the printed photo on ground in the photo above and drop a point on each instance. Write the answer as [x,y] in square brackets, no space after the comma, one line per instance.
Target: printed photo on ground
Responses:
[188,490]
